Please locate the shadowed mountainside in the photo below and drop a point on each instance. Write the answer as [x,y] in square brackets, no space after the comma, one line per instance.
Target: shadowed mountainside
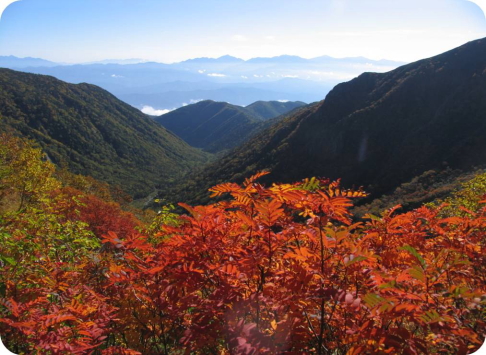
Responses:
[378,130]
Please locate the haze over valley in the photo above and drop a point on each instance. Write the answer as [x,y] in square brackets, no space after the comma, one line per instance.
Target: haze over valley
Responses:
[156,88]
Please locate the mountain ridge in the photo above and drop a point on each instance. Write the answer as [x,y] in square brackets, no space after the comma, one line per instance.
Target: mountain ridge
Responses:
[25,62]
[225,59]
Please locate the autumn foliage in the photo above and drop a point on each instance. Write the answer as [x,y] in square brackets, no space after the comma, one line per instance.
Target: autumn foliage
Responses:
[278,269]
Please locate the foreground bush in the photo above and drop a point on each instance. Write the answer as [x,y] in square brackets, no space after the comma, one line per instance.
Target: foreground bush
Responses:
[282,269]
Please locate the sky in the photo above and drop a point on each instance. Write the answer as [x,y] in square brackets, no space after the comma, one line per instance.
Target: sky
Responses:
[77,31]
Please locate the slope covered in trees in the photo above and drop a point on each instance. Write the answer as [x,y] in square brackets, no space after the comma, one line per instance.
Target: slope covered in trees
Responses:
[277,269]
[378,130]
[432,185]
[271,109]
[92,132]
[219,126]
[212,126]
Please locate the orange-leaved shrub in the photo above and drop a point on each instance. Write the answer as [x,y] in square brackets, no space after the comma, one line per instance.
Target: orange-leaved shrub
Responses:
[284,269]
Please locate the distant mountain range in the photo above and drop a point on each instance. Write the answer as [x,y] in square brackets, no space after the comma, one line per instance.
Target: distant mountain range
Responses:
[228,59]
[378,130]
[230,79]
[206,60]
[118,61]
[218,126]
[20,63]
[93,133]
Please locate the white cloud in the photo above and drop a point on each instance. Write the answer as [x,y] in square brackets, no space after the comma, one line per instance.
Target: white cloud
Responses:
[239,38]
[283,100]
[244,77]
[149,110]
[192,101]
[216,75]
[290,76]
[201,71]
[270,38]
[116,76]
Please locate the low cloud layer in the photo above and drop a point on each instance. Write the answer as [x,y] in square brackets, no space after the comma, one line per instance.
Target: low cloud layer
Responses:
[192,101]
[149,110]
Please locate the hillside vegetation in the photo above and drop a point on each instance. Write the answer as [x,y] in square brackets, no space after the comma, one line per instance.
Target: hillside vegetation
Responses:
[271,109]
[219,126]
[91,132]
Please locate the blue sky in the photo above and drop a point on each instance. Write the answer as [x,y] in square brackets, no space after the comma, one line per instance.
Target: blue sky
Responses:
[77,31]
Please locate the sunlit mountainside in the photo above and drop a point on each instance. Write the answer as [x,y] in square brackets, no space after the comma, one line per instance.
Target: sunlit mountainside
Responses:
[91,132]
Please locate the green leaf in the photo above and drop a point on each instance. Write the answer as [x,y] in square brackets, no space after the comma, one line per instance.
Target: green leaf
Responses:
[311,184]
[417,273]
[373,217]
[372,300]
[391,284]
[355,260]
[415,253]
[9,260]
[431,317]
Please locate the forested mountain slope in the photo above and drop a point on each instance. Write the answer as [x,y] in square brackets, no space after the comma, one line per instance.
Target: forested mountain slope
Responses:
[217,126]
[92,132]
[270,109]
